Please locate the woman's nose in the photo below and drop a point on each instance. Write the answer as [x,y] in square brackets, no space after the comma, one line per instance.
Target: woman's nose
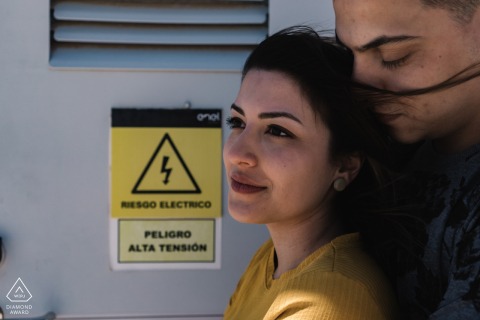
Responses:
[240,149]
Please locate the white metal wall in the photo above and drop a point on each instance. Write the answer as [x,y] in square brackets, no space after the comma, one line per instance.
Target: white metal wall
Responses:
[54,175]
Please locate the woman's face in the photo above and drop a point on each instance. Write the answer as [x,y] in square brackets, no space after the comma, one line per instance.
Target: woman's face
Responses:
[277,155]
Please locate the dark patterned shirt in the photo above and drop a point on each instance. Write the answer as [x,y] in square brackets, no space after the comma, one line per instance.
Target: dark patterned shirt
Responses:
[445,283]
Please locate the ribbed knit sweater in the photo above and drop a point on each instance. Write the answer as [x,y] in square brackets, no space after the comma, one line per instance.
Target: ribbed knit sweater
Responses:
[338,281]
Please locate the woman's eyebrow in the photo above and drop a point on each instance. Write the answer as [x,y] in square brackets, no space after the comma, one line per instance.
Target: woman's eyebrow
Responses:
[279,114]
[269,115]
[238,109]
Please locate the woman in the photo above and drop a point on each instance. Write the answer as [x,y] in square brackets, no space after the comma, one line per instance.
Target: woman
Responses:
[300,158]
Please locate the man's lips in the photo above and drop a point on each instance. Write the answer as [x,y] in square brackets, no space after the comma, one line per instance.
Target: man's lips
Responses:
[243,186]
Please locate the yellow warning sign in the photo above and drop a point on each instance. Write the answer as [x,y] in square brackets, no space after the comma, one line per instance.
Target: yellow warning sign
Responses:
[162,170]
[146,241]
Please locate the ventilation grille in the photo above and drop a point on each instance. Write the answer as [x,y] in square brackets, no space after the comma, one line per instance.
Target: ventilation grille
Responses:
[156,34]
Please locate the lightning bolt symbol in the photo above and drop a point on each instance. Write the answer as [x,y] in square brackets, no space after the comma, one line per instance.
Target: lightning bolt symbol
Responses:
[165,170]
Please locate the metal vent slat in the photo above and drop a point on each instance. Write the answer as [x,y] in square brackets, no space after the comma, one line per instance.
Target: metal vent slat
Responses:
[158,35]
[169,59]
[161,13]
[162,34]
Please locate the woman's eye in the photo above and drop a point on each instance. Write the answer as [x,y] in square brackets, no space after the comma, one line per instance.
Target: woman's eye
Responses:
[234,122]
[392,64]
[279,131]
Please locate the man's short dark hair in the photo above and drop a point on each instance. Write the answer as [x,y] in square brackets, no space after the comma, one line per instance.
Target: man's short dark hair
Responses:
[461,10]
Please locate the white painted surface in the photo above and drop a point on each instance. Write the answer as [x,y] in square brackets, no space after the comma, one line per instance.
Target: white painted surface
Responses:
[54,176]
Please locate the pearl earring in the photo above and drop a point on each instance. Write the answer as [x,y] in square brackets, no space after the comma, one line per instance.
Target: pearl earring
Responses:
[340,184]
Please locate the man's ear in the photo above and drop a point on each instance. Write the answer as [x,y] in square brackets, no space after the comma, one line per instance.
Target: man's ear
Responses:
[348,169]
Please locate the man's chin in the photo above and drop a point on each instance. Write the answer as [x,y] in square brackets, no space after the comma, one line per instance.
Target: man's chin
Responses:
[405,137]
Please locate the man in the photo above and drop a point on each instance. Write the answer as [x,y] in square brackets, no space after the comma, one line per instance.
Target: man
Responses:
[428,53]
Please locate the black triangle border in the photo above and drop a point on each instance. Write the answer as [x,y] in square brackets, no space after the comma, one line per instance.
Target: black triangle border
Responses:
[150,162]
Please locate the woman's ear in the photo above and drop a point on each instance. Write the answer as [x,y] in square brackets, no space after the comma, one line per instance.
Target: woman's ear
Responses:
[348,169]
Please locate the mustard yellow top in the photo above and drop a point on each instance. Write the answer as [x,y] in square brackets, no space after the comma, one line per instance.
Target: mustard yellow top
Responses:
[338,281]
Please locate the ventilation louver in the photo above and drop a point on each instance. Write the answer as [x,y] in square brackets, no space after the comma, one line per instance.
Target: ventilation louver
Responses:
[156,34]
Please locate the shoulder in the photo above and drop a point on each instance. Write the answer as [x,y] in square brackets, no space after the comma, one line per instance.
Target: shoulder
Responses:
[251,283]
[473,193]
[352,262]
[350,280]
[259,262]
[263,253]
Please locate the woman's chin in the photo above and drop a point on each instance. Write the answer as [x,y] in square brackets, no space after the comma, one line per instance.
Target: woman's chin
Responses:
[244,214]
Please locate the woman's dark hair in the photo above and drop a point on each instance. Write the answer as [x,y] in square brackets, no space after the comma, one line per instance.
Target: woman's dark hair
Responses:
[323,71]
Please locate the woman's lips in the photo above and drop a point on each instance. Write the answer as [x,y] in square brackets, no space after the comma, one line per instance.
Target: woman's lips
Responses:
[244,188]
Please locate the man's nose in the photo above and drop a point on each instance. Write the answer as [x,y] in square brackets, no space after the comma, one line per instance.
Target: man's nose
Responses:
[365,73]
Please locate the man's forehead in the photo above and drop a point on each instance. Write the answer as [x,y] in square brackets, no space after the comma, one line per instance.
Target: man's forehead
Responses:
[370,24]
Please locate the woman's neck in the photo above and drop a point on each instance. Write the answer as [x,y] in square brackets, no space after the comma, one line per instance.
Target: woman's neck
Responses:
[294,243]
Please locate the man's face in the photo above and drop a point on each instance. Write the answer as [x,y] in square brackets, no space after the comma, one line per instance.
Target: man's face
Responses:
[402,45]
